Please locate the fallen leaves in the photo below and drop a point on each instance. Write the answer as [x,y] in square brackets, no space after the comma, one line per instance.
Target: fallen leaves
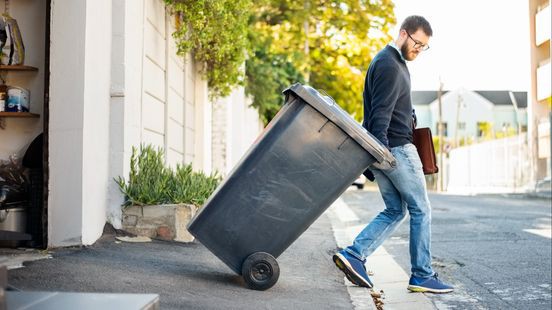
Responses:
[378,298]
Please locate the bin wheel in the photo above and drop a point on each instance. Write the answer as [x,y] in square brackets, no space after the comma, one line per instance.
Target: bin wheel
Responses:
[260,271]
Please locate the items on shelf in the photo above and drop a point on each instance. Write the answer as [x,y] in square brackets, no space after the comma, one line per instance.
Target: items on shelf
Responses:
[11,41]
[3,97]
[14,99]
[18,99]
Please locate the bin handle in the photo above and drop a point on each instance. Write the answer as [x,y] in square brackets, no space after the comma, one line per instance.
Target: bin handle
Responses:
[326,94]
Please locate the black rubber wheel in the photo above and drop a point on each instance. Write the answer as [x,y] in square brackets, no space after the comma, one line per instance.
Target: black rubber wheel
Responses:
[260,271]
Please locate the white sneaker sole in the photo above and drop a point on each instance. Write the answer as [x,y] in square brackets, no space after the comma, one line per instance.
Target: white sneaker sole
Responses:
[421,289]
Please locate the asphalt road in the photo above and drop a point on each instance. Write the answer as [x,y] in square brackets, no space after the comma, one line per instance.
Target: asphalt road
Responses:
[188,276]
[488,247]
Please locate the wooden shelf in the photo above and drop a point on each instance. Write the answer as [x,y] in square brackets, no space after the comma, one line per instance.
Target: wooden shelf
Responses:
[17,68]
[19,114]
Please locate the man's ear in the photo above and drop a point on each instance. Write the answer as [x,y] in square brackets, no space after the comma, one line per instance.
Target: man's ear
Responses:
[402,34]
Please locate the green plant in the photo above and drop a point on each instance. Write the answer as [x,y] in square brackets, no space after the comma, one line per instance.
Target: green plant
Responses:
[215,31]
[151,182]
[187,186]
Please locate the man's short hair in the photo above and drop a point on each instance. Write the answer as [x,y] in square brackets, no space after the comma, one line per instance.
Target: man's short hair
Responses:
[412,23]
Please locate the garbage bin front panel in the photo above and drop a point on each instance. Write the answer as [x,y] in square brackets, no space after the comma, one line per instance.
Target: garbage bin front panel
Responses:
[285,182]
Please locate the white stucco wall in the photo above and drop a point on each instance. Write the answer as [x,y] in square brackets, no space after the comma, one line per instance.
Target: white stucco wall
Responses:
[126,95]
[236,125]
[79,120]
[19,132]
[157,97]
[245,127]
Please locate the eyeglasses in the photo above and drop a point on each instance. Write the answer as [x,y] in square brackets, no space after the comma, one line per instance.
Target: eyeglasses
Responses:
[417,44]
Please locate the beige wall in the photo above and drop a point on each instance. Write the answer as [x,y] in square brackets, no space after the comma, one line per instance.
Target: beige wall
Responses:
[539,110]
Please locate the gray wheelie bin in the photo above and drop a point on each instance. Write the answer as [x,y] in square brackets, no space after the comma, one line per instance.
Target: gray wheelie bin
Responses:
[303,161]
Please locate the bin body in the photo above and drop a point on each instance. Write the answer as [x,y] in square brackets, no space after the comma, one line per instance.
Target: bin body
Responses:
[295,170]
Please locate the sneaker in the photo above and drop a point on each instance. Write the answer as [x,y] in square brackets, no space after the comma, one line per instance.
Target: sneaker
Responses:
[430,285]
[353,268]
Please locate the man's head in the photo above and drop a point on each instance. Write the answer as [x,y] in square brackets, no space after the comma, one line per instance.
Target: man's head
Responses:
[414,36]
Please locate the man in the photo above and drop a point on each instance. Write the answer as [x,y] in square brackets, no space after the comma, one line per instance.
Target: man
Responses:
[388,115]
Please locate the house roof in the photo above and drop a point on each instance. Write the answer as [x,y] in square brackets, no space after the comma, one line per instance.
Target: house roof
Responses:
[496,97]
[424,97]
[502,97]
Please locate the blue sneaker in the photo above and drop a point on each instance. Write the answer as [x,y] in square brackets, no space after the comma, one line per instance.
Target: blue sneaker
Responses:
[430,285]
[353,268]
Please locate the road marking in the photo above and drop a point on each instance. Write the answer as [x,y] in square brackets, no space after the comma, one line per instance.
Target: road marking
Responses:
[546,232]
[343,212]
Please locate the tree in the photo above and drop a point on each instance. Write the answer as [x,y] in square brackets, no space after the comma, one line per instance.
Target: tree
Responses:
[329,43]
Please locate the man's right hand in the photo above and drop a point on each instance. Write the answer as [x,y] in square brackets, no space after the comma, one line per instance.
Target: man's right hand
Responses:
[385,165]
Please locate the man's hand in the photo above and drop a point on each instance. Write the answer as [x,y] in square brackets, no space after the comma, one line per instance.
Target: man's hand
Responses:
[385,165]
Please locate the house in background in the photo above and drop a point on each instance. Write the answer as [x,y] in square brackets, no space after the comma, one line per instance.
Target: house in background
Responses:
[464,112]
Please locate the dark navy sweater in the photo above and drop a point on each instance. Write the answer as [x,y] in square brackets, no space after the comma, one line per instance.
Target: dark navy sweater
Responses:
[387,104]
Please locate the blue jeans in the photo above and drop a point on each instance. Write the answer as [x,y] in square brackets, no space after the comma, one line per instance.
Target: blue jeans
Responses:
[402,188]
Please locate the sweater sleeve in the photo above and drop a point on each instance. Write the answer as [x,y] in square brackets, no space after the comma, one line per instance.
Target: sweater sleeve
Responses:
[385,92]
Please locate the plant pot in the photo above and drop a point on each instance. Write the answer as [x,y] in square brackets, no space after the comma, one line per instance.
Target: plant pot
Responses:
[167,222]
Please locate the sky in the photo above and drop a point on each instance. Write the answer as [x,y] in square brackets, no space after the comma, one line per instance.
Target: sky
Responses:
[476,45]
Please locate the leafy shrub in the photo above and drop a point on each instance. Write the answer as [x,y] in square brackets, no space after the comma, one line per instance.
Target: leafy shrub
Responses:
[150,182]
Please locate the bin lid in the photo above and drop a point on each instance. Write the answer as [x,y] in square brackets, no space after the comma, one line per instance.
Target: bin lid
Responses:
[330,109]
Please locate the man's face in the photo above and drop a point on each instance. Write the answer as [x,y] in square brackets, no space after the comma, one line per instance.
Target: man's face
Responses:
[413,44]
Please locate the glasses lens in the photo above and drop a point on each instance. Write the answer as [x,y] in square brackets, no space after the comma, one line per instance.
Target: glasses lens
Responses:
[421,47]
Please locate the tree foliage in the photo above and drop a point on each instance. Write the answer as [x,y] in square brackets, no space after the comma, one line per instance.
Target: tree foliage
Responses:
[330,43]
[215,31]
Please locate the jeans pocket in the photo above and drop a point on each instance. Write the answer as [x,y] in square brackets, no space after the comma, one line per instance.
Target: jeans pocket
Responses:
[413,157]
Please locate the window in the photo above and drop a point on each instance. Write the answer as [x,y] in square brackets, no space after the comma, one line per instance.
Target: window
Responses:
[445,131]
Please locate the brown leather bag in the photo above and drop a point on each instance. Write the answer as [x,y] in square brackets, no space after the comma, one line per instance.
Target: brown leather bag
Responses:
[424,143]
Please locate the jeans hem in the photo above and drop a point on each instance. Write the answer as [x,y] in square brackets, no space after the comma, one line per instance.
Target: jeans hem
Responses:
[357,256]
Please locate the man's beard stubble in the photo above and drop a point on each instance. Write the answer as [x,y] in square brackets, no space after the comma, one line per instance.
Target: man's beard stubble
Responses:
[405,52]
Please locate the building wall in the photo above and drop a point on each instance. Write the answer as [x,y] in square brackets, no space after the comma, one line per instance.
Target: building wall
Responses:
[236,125]
[424,117]
[540,97]
[79,120]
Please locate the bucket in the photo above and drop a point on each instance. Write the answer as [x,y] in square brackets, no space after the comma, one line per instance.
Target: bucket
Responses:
[18,99]
[12,220]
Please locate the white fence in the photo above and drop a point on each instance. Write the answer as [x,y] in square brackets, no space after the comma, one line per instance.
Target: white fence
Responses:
[498,166]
